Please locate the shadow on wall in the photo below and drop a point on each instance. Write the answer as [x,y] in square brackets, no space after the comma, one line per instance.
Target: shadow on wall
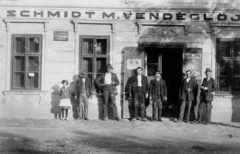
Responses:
[56,99]
[74,102]
[55,102]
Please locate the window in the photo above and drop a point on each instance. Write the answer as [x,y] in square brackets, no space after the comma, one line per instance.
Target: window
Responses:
[228,65]
[94,55]
[26,62]
[153,61]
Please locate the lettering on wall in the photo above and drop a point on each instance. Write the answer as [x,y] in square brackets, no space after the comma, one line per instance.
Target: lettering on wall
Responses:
[127,15]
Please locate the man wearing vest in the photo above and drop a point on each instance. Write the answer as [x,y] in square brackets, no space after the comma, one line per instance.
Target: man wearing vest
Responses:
[108,82]
[158,93]
[207,89]
[83,88]
[139,88]
[186,95]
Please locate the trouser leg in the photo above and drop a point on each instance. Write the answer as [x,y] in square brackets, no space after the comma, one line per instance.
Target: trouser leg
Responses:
[136,105]
[142,106]
[209,111]
[154,108]
[159,106]
[105,103]
[85,102]
[182,109]
[200,110]
[80,112]
[130,108]
[189,109]
[113,104]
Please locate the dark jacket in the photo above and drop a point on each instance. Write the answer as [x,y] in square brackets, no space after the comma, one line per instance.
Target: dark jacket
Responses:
[163,88]
[78,87]
[183,93]
[134,83]
[127,87]
[65,93]
[206,94]
[100,80]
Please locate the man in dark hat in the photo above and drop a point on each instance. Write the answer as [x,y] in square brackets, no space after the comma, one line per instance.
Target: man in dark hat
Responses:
[139,88]
[186,95]
[108,82]
[158,94]
[207,88]
[83,90]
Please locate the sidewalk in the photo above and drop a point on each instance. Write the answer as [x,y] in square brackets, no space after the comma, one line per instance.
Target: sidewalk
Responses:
[96,136]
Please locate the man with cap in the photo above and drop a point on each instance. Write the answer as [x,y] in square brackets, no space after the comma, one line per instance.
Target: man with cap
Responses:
[207,88]
[158,94]
[186,95]
[108,82]
[139,88]
[83,90]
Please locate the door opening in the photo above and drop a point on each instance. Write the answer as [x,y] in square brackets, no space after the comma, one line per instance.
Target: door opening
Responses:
[169,62]
[173,75]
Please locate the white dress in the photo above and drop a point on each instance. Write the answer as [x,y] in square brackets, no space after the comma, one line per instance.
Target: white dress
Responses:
[65,98]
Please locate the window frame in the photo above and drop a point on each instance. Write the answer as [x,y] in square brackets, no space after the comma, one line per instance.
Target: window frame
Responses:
[93,56]
[231,59]
[26,55]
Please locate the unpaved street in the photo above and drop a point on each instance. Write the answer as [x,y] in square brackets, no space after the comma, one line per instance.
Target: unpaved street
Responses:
[53,136]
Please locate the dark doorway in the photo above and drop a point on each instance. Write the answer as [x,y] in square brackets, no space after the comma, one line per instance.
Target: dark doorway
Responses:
[169,62]
[173,75]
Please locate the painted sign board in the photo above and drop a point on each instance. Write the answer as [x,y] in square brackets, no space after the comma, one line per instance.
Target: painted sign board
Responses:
[192,60]
[60,35]
[133,63]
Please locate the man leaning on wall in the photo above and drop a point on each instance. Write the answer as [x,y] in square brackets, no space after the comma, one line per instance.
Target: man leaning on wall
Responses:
[107,83]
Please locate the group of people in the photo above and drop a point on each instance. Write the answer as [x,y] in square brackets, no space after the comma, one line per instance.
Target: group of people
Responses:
[207,87]
[107,83]
[138,90]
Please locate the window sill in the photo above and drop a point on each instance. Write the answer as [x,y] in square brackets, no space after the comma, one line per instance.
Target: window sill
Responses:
[234,96]
[27,92]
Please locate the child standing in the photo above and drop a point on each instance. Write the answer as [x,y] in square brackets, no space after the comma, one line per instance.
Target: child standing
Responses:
[65,102]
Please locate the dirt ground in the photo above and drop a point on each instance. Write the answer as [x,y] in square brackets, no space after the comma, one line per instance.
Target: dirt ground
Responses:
[82,137]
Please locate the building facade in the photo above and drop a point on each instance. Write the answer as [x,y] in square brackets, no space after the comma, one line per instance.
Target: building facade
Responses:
[43,42]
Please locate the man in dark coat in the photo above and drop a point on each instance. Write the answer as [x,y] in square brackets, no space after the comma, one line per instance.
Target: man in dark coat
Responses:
[139,88]
[186,95]
[158,94]
[83,89]
[108,82]
[208,87]
[127,94]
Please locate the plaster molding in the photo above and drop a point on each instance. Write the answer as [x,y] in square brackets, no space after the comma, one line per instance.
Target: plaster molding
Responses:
[26,20]
[113,23]
[214,25]
[139,25]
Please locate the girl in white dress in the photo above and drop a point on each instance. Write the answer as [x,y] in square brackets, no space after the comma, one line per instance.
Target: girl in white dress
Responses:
[65,102]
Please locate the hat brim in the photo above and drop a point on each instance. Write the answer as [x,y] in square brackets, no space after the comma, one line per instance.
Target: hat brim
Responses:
[208,71]
[64,81]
